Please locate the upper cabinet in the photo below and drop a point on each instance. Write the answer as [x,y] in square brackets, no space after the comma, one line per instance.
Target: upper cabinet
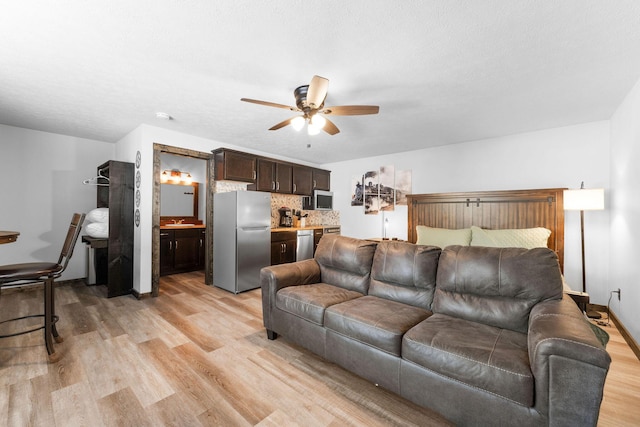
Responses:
[302,180]
[274,177]
[271,175]
[321,179]
[233,165]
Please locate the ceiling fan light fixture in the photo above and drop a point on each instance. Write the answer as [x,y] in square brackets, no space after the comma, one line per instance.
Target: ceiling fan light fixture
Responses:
[310,102]
[318,121]
[297,123]
[312,129]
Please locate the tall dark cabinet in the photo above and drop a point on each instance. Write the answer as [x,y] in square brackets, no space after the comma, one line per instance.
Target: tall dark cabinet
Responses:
[118,197]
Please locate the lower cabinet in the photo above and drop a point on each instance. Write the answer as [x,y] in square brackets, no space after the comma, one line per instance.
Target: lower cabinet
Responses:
[317,235]
[181,250]
[283,247]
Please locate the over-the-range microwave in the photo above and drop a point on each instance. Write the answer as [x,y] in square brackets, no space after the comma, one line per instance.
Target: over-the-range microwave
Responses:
[320,201]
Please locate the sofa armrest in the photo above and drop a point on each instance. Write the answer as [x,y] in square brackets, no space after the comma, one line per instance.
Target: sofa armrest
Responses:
[276,277]
[568,362]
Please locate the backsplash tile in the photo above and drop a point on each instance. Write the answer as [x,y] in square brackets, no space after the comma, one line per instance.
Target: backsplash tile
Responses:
[314,218]
[295,203]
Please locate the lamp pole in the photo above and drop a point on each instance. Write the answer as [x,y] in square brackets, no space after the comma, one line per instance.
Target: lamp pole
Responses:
[584,199]
[584,276]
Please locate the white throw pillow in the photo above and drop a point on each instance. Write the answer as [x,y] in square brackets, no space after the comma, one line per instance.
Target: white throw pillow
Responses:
[528,238]
[442,237]
[98,215]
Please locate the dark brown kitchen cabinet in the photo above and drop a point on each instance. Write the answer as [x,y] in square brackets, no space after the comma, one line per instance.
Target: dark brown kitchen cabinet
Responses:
[181,250]
[233,165]
[317,235]
[284,180]
[283,247]
[302,180]
[321,179]
[267,174]
[266,180]
[274,177]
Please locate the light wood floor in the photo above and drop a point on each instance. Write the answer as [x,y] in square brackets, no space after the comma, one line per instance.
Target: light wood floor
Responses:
[198,355]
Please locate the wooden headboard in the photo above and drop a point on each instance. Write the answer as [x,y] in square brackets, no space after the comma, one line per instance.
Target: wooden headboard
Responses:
[492,210]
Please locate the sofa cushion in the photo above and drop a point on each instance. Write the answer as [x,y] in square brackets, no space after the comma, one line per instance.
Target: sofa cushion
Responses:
[495,286]
[345,261]
[310,301]
[404,272]
[492,359]
[375,321]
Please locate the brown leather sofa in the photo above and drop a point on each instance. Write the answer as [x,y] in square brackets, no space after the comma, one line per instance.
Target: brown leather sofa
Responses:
[483,336]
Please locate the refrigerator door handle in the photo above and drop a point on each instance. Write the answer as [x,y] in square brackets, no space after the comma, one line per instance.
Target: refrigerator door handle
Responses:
[258,228]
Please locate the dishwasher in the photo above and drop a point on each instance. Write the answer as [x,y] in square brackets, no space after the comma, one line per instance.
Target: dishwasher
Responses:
[304,245]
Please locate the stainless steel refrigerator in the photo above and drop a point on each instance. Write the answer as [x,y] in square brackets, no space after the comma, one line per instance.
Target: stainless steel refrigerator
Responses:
[241,239]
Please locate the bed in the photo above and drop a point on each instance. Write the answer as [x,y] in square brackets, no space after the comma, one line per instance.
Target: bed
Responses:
[491,210]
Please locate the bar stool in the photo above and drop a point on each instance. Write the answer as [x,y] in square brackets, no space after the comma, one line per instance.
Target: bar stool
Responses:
[46,272]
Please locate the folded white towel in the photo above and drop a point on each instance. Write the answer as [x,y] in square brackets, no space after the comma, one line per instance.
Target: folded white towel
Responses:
[99,230]
[98,215]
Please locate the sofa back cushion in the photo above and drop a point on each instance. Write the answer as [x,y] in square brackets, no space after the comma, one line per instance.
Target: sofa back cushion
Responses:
[345,261]
[405,272]
[495,286]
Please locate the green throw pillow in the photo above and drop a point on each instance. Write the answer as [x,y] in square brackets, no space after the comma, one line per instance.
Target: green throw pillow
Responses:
[442,237]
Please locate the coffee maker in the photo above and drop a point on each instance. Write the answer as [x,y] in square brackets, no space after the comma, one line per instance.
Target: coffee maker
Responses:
[286,217]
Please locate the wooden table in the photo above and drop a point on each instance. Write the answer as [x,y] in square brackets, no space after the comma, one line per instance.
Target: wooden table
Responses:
[8,236]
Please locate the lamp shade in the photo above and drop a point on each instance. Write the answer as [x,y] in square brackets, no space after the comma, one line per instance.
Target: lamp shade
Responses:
[584,199]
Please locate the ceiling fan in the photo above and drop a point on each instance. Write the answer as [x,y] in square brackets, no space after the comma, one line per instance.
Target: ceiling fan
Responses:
[310,102]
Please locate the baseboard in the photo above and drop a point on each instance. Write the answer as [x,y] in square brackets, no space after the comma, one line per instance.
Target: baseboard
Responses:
[623,331]
[138,295]
[626,335]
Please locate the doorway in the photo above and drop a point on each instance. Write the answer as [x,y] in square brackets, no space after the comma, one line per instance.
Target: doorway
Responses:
[159,149]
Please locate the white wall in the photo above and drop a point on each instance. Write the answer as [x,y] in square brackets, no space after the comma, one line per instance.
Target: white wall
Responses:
[625,211]
[554,158]
[40,189]
[126,150]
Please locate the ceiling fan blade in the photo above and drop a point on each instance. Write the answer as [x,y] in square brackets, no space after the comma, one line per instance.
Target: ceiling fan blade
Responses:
[282,124]
[269,104]
[330,128]
[351,110]
[317,92]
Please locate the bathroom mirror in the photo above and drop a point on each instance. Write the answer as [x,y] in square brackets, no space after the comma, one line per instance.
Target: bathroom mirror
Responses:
[179,201]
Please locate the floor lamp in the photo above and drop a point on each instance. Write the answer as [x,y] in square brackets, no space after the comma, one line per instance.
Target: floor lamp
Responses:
[584,200]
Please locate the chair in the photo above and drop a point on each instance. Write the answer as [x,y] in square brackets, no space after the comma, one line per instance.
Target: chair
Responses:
[46,272]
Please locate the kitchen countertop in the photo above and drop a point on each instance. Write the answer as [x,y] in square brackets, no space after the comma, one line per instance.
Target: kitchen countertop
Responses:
[310,227]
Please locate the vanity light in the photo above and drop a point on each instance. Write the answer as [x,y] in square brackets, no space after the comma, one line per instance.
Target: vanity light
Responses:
[174,176]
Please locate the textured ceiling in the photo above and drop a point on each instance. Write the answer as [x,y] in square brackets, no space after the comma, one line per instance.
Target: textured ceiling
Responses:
[442,71]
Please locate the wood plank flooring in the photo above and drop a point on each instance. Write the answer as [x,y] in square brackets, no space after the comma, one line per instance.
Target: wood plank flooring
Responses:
[198,356]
